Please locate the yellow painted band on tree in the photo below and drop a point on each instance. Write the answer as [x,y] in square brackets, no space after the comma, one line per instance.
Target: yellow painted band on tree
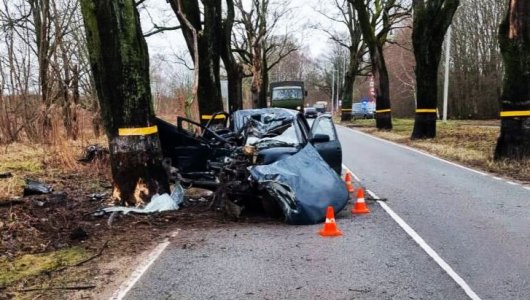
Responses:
[138,131]
[519,113]
[346,110]
[383,111]
[209,117]
[426,110]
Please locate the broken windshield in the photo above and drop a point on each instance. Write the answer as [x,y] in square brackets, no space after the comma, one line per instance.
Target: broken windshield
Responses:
[271,130]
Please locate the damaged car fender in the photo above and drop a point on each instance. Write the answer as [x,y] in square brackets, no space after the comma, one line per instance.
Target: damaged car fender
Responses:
[303,185]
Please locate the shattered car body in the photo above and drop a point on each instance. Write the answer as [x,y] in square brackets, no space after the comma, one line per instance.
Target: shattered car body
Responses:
[265,159]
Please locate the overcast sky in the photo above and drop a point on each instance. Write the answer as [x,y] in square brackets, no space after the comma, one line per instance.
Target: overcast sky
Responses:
[304,14]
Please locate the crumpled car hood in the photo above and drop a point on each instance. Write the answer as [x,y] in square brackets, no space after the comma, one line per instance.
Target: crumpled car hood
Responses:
[303,185]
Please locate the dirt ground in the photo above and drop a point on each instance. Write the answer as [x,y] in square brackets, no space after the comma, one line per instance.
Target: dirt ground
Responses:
[56,246]
[113,245]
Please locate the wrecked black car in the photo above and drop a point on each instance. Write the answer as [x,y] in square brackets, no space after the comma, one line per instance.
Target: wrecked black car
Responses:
[260,159]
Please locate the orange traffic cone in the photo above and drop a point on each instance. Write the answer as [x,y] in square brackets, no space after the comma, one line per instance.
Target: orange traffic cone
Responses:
[360,206]
[349,185]
[330,227]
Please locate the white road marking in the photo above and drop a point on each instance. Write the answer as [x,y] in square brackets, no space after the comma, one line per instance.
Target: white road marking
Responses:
[437,158]
[140,270]
[421,242]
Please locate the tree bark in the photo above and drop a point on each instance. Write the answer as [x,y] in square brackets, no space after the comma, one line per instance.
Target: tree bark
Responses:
[431,20]
[514,40]
[383,115]
[349,83]
[264,82]
[120,65]
[235,76]
[257,80]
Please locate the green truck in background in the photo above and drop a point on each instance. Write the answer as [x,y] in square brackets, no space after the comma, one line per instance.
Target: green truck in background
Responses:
[288,94]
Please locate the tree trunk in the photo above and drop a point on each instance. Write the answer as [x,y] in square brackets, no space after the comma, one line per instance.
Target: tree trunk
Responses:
[234,70]
[349,82]
[383,115]
[41,20]
[120,64]
[514,40]
[257,80]
[235,88]
[430,24]
[264,83]
[426,71]
[209,94]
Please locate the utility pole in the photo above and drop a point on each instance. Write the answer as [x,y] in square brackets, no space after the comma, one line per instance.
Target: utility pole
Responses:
[446,80]
[332,90]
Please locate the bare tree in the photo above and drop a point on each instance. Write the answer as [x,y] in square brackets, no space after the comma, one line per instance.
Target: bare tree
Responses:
[514,39]
[48,30]
[17,106]
[377,19]
[347,17]
[476,62]
[208,29]
[257,45]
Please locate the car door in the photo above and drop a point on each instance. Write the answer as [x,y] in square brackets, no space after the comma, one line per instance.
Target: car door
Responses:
[331,151]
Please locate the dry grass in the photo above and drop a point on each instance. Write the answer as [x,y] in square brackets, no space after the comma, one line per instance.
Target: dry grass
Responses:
[54,158]
[468,142]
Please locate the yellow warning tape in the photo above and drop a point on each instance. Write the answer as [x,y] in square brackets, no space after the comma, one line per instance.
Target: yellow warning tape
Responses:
[137,131]
[520,113]
[209,117]
[426,110]
[383,111]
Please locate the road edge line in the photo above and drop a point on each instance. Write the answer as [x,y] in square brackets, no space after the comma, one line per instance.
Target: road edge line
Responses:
[421,242]
[139,271]
[430,251]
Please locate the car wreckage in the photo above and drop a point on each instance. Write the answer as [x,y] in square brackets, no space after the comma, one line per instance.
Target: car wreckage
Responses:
[260,159]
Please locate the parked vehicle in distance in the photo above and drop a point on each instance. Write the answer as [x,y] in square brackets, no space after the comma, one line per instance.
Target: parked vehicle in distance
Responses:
[321,106]
[363,110]
[310,112]
[287,94]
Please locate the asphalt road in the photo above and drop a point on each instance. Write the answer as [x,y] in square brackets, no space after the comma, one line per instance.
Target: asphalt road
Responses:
[479,225]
